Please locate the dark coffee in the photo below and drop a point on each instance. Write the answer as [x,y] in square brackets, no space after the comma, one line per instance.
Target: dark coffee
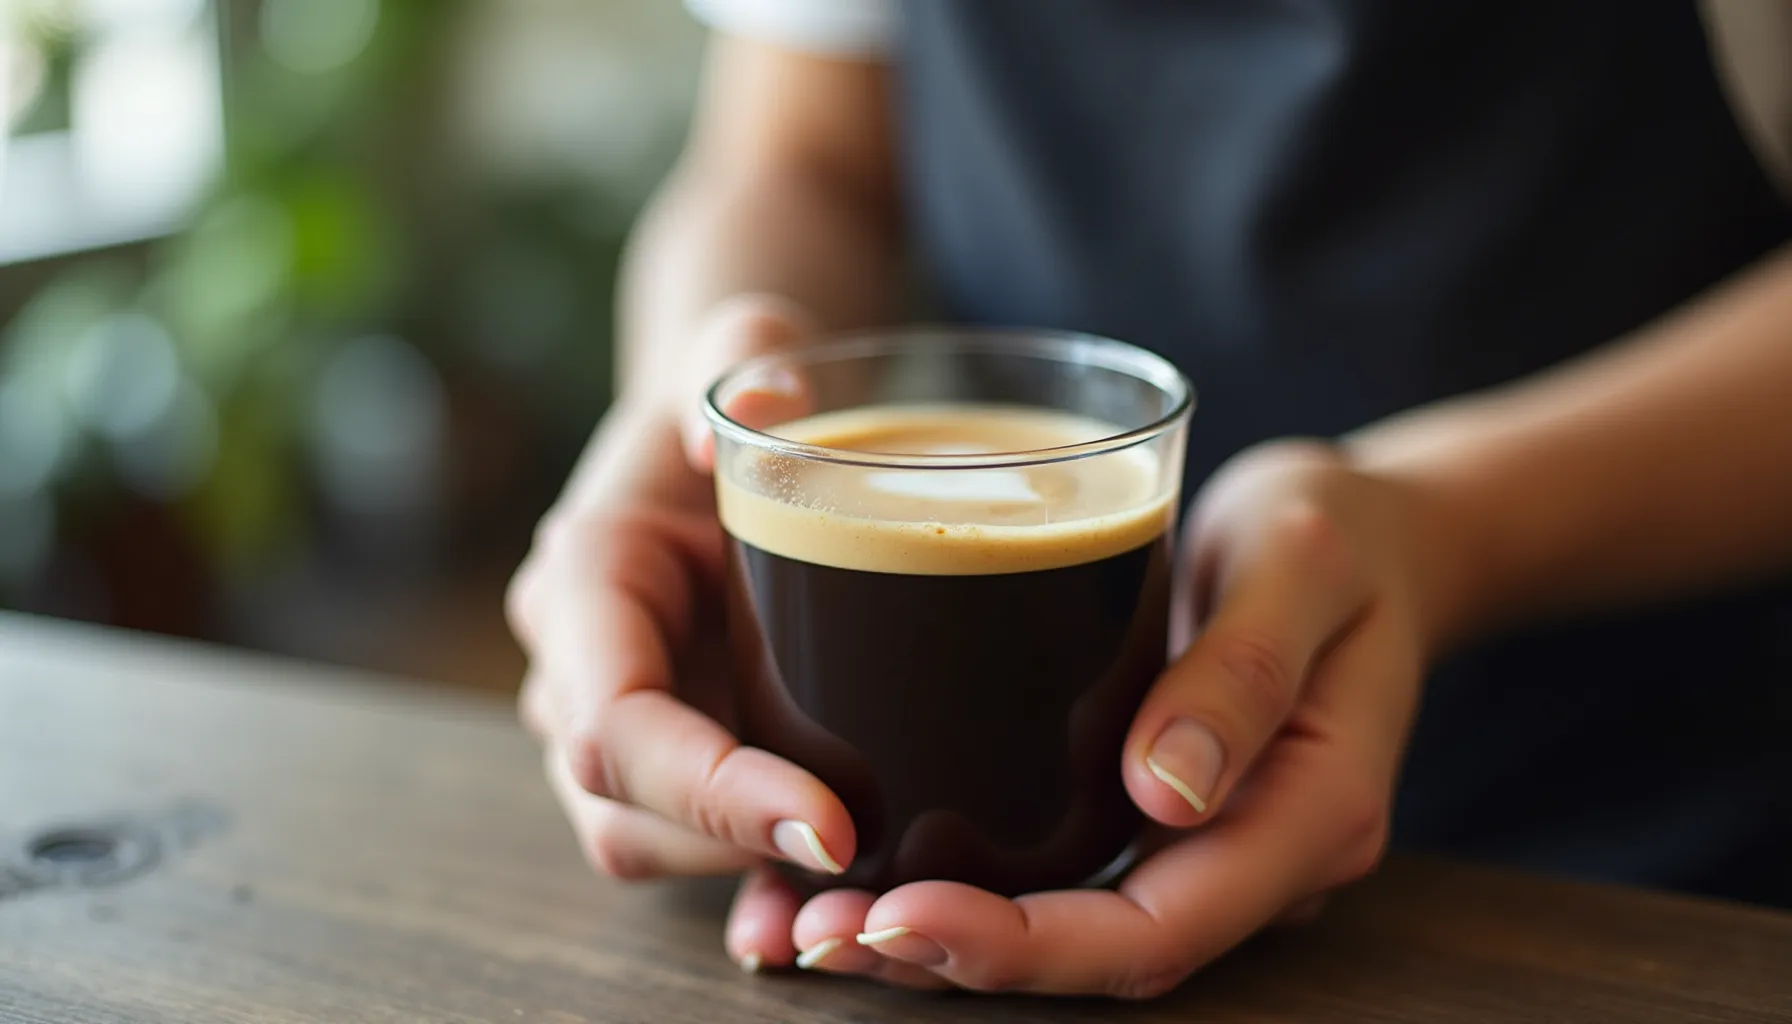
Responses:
[959,657]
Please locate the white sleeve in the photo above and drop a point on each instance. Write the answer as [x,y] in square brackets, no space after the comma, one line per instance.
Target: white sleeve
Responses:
[845,28]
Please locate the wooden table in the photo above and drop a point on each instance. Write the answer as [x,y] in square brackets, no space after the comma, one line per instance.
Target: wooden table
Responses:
[292,844]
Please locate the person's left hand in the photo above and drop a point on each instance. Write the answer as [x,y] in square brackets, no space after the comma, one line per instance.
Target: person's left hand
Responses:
[1266,755]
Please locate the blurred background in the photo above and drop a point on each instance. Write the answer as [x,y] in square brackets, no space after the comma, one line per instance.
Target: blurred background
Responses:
[305,306]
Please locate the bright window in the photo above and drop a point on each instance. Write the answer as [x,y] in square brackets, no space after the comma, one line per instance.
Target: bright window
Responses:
[141,133]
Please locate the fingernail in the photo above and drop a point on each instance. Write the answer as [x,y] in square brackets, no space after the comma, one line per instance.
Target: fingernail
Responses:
[772,382]
[815,954]
[777,380]
[903,943]
[798,841]
[1188,758]
[751,963]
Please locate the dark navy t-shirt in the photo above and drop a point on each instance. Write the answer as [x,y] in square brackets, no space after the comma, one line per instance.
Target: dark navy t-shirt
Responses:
[1329,211]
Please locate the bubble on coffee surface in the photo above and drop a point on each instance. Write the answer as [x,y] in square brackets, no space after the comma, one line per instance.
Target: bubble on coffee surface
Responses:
[945,520]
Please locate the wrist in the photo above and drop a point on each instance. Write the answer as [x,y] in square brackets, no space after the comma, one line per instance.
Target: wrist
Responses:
[1449,553]
[1451,539]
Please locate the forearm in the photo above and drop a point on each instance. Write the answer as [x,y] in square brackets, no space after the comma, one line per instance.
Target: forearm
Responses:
[715,233]
[1657,466]
[786,189]
[703,242]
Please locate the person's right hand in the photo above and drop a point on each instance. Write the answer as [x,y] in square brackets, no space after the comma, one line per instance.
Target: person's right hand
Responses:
[618,607]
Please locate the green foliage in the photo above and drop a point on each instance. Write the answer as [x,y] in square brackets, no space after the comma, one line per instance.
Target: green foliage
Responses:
[333,219]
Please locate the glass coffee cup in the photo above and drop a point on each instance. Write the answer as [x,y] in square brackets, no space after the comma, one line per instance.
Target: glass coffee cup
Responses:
[948,589]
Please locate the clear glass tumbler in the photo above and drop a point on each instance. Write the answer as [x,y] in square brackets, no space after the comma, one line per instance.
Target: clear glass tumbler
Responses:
[948,588]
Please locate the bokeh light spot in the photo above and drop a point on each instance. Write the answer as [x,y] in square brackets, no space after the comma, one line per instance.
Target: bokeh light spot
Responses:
[314,37]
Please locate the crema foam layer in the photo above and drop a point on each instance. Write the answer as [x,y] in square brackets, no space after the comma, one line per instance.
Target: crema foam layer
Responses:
[945,522]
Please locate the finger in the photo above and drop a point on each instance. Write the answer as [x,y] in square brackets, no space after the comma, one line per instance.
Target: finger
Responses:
[1314,818]
[827,930]
[652,751]
[759,923]
[630,844]
[617,594]
[760,400]
[824,931]
[738,330]
[1221,703]
[1178,910]
[628,738]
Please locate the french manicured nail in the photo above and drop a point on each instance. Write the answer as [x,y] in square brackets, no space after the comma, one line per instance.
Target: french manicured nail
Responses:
[814,955]
[798,841]
[1188,758]
[903,943]
[751,963]
[777,380]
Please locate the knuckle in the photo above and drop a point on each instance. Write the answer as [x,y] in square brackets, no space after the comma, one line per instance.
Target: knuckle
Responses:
[610,853]
[706,805]
[631,552]
[1305,526]
[1147,981]
[556,536]
[589,762]
[753,322]
[746,323]
[1309,531]
[1364,837]
[1314,539]
[520,601]
[1263,679]
[532,704]
[576,540]
[591,538]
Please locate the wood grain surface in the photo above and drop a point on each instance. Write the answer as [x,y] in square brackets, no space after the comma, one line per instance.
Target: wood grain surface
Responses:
[296,844]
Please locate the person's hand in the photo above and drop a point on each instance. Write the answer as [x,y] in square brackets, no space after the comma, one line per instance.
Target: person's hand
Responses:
[1266,754]
[618,607]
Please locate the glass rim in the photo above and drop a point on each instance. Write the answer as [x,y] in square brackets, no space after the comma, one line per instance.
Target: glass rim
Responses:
[1074,348]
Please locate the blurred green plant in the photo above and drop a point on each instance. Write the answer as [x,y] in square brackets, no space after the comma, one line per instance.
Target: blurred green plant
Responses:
[48,27]
[190,380]
[292,249]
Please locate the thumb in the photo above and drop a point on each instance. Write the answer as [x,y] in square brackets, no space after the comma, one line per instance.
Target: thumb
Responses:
[739,330]
[1218,706]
